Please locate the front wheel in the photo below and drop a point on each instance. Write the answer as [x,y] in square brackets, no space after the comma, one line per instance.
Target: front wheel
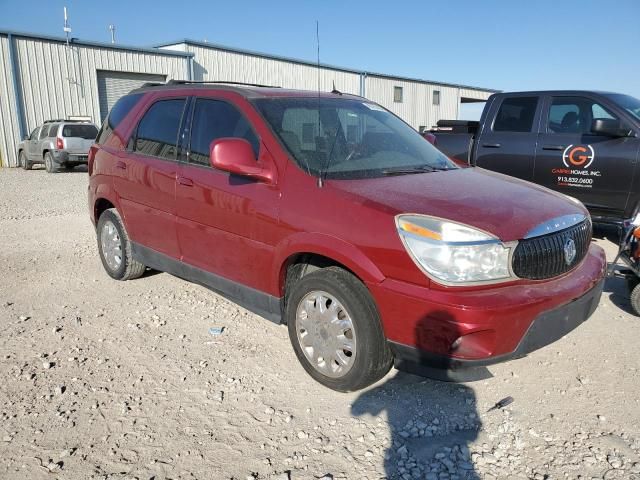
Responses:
[335,330]
[115,248]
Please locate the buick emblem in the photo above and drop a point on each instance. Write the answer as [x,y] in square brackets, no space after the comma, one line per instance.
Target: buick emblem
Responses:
[569,251]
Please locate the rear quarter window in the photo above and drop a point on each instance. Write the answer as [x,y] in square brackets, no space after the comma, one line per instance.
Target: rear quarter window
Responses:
[118,113]
[516,114]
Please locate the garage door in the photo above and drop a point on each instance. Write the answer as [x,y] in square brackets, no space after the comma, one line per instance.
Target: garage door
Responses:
[113,85]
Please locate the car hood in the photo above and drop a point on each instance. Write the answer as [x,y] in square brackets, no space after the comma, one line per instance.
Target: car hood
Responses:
[504,206]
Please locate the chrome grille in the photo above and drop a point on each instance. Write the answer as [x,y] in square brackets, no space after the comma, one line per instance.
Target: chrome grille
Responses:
[544,257]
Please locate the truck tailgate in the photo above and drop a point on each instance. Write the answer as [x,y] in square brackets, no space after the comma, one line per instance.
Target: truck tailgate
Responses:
[455,145]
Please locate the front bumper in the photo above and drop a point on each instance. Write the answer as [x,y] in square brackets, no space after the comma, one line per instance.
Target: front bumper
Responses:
[545,329]
[455,330]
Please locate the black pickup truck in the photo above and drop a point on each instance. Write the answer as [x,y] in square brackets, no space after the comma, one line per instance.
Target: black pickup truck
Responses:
[584,144]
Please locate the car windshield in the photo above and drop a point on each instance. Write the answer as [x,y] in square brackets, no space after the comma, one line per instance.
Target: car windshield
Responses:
[629,103]
[349,138]
[88,132]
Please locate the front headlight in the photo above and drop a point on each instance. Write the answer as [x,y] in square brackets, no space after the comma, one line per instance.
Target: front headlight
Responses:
[452,253]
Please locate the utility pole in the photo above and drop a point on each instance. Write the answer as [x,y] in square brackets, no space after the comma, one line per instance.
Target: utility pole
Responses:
[112,28]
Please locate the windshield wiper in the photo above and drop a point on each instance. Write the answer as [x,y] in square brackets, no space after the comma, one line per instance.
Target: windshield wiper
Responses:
[410,170]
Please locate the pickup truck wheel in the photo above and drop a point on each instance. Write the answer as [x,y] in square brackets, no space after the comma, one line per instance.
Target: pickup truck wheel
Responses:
[335,330]
[24,163]
[49,163]
[635,299]
[115,248]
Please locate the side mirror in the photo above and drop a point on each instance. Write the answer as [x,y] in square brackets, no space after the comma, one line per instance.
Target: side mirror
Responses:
[235,155]
[609,127]
[25,137]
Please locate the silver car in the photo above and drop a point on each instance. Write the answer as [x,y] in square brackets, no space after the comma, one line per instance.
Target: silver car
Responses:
[57,143]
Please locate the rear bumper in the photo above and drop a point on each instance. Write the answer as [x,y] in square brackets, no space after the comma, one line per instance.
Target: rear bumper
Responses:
[547,328]
[62,157]
[457,329]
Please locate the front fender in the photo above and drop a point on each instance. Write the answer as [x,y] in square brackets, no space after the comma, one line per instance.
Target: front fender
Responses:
[328,246]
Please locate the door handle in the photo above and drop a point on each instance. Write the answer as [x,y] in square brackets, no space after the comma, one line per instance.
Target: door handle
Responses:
[121,165]
[187,182]
[491,145]
[552,147]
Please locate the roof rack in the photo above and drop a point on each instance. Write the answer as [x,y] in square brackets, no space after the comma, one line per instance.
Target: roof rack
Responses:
[68,120]
[219,82]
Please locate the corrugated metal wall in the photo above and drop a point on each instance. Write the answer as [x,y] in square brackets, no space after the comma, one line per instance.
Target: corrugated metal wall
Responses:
[58,81]
[9,128]
[212,64]
[417,108]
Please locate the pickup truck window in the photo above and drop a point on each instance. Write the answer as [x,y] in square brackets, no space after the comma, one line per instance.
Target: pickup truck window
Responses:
[213,119]
[516,114]
[349,139]
[157,133]
[574,115]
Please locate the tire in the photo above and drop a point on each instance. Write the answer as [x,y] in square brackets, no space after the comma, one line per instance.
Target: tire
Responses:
[49,163]
[634,298]
[24,163]
[116,244]
[370,357]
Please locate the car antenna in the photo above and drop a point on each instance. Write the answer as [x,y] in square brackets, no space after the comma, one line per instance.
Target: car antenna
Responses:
[335,90]
[320,182]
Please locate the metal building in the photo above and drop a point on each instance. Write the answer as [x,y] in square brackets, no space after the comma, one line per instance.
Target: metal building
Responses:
[44,77]
[421,103]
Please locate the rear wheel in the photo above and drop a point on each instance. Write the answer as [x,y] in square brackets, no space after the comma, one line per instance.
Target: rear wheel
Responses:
[49,163]
[335,330]
[24,163]
[115,248]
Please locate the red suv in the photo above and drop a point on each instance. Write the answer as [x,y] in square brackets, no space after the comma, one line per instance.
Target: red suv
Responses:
[328,213]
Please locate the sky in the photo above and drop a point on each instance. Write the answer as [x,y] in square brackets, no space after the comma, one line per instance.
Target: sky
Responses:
[503,45]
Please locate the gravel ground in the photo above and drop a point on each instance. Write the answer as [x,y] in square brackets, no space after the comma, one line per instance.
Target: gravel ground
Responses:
[103,379]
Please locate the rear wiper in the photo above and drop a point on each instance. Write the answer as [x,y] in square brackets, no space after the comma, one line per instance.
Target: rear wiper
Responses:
[408,170]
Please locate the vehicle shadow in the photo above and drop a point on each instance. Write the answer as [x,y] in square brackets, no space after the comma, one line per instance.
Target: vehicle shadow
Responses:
[78,169]
[431,425]
[617,287]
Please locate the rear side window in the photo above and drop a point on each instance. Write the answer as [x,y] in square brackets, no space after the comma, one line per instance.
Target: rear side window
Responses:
[88,132]
[516,114]
[213,119]
[43,132]
[118,112]
[157,133]
[53,130]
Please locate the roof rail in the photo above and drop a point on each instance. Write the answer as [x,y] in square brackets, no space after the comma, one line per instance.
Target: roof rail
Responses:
[219,82]
[150,84]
